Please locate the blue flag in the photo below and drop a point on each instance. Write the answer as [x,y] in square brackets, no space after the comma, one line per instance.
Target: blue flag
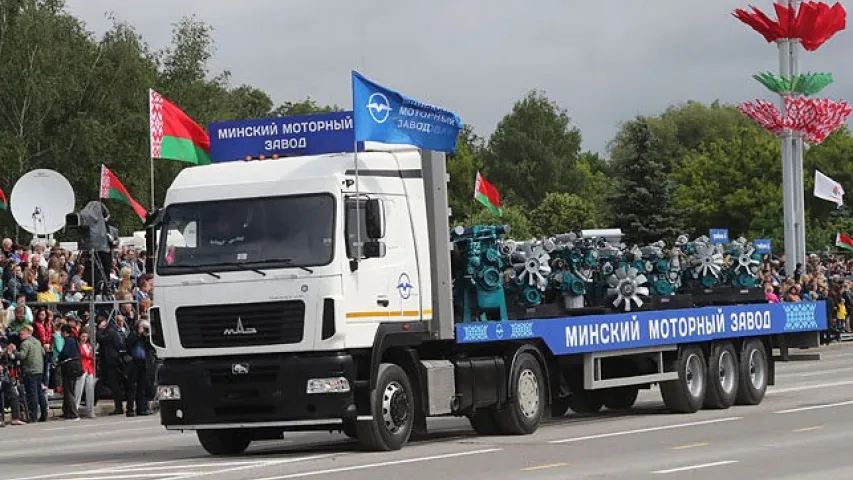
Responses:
[383,115]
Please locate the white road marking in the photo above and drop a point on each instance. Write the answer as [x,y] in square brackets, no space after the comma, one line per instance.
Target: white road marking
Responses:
[813,386]
[644,430]
[696,467]
[831,371]
[382,464]
[65,438]
[815,407]
[259,464]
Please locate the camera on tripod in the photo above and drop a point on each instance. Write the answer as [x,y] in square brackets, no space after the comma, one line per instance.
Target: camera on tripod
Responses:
[95,235]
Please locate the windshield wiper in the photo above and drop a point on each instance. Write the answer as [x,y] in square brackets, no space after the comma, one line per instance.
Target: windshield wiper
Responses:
[243,266]
[288,262]
[202,270]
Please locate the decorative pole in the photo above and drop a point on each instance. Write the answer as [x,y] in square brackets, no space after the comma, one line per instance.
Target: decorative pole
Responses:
[798,118]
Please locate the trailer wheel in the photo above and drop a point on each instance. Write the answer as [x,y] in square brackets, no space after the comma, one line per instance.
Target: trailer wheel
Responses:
[754,370]
[393,410]
[723,376]
[621,398]
[224,442]
[526,406]
[686,394]
[483,422]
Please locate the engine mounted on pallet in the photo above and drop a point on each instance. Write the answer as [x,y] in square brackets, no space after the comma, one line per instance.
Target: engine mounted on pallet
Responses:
[497,278]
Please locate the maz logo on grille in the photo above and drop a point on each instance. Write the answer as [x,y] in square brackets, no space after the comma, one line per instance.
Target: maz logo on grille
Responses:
[240,330]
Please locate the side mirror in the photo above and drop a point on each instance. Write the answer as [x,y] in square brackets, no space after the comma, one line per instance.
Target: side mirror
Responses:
[374,218]
[373,249]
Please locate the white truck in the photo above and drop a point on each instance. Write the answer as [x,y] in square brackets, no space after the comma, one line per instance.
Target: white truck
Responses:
[268,320]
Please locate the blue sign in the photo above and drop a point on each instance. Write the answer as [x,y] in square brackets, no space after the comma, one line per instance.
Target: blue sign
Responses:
[383,115]
[595,333]
[762,245]
[719,235]
[314,134]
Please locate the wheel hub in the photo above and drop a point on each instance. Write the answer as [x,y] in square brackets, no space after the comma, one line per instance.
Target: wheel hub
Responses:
[727,369]
[395,407]
[693,375]
[528,393]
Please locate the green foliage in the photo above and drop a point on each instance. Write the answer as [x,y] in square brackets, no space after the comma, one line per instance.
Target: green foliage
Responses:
[642,206]
[532,151]
[563,213]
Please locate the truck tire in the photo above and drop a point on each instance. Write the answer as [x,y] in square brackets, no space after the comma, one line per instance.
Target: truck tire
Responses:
[483,422]
[621,398]
[723,376]
[754,371]
[525,407]
[586,401]
[224,442]
[392,408]
[686,394]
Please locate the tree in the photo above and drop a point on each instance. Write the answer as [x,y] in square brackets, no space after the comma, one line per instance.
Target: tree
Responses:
[512,216]
[532,151]
[562,213]
[303,107]
[642,205]
[462,168]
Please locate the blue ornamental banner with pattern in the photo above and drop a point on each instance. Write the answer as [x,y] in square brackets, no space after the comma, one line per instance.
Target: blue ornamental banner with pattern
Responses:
[594,333]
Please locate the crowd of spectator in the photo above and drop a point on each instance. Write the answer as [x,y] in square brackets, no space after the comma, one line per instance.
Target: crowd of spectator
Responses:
[826,277]
[47,334]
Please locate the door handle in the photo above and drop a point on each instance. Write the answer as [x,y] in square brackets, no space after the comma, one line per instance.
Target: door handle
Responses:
[382,302]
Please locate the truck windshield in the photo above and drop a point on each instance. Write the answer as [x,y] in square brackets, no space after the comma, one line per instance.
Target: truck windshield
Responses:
[263,232]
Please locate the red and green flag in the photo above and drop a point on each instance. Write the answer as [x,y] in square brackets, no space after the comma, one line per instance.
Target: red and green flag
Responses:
[4,205]
[112,188]
[487,194]
[174,135]
[843,241]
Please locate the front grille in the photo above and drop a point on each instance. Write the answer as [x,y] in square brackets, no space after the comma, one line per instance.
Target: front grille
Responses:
[241,325]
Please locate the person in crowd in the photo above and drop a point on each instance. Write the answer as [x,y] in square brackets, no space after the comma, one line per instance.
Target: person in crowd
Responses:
[145,285]
[72,368]
[140,350]
[87,379]
[31,356]
[20,300]
[8,392]
[129,313]
[116,360]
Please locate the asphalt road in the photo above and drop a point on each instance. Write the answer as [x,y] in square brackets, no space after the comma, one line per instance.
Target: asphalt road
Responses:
[801,431]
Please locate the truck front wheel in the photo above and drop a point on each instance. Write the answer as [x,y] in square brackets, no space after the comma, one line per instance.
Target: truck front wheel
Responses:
[224,442]
[392,407]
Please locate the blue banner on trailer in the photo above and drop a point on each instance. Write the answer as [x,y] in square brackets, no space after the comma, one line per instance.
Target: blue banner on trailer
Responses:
[595,333]
[315,134]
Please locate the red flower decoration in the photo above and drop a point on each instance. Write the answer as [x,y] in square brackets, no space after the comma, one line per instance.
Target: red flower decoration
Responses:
[813,24]
[813,118]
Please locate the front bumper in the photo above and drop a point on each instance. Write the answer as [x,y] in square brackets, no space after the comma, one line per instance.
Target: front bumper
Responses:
[271,394]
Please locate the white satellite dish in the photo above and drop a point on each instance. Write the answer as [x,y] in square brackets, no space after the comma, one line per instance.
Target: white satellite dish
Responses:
[40,200]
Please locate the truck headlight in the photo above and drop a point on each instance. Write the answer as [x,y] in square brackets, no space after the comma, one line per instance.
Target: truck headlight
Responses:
[328,385]
[168,392]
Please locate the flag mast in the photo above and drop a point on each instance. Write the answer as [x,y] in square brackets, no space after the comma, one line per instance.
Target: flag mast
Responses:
[151,145]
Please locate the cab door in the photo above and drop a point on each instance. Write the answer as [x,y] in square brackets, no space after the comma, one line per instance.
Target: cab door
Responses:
[366,283]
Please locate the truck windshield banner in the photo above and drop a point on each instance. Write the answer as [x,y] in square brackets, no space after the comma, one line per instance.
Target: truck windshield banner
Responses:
[383,115]
[315,134]
[595,333]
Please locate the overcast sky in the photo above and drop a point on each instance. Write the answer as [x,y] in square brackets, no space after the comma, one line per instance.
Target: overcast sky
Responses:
[605,61]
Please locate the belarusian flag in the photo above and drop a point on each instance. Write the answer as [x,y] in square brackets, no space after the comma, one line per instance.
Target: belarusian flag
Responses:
[843,241]
[112,188]
[4,205]
[487,194]
[174,135]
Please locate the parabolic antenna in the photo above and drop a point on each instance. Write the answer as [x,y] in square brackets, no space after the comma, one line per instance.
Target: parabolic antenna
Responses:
[40,200]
